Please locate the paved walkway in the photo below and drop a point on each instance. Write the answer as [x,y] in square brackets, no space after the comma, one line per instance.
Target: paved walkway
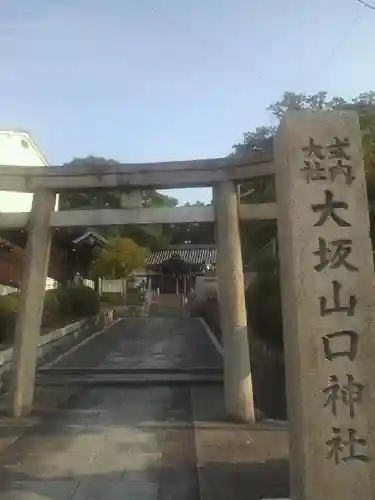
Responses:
[155,442]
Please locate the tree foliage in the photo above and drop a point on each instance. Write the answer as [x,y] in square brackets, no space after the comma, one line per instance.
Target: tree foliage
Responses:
[196,204]
[262,190]
[118,259]
[193,233]
[153,199]
[263,297]
[105,198]
[363,104]
[111,198]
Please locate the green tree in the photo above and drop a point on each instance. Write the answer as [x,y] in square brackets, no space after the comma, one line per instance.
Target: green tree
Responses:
[111,198]
[118,259]
[196,204]
[263,297]
[105,198]
[263,189]
[262,137]
[194,233]
[153,199]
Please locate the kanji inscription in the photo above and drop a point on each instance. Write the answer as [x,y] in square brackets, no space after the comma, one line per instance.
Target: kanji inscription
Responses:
[347,449]
[349,309]
[328,302]
[338,151]
[328,210]
[323,162]
[326,163]
[350,394]
[334,254]
[343,343]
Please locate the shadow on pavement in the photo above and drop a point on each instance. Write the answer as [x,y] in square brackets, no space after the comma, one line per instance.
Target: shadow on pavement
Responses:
[162,482]
[253,481]
[110,443]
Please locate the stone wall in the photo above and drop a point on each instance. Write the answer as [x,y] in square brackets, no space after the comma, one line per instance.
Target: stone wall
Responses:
[54,343]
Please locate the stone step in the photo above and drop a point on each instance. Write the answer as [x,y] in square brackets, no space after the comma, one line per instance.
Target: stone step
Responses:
[168,300]
[57,371]
[127,379]
[164,312]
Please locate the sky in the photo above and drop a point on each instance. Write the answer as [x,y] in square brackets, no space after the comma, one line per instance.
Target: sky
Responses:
[153,80]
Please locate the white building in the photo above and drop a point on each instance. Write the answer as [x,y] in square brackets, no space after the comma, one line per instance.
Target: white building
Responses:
[17,148]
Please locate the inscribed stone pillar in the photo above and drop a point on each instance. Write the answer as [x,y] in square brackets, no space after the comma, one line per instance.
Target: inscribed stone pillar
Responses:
[237,375]
[327,278]
[30,306]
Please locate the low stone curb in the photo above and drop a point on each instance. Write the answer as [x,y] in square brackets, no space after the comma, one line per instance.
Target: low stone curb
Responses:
[7,354]
[57,341]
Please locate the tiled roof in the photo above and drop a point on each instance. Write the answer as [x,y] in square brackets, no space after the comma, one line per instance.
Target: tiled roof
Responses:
[191,254]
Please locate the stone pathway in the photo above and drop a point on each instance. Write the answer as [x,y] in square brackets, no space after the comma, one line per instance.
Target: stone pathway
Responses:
[238,461]
[140,443]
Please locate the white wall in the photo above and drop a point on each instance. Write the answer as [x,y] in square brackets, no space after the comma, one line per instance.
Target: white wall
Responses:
[114,286]
[18,149]
[5,290]
[88,283]
[206,286]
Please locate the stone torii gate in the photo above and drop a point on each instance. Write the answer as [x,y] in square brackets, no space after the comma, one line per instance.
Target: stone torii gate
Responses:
[45,183]
[327,278]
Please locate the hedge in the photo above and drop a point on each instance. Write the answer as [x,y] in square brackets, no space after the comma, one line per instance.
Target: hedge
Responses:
[78,302]
[112,298]
[61,306]
[263,304]
[8,311]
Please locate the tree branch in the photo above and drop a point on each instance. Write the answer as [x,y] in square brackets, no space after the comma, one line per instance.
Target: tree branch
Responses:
[372,7]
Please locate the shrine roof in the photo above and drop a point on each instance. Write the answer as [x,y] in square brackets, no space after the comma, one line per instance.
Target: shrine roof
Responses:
[90,237]
[193,254]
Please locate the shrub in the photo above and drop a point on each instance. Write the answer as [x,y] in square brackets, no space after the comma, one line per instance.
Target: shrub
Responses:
[66,303]
[112,298]
[52,313]
[8,311]
[78,302]
[60,306]
[133,297]
[263,304]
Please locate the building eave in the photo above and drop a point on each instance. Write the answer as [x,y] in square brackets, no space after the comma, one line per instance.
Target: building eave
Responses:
[190,254]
